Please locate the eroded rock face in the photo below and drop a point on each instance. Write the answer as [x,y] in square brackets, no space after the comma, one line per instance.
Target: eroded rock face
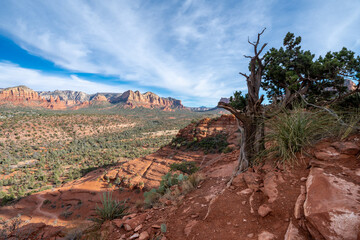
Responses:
[63,99]
[208,127]
[99,98]
[24,96]
[149,100]
[66,95]
[331,206]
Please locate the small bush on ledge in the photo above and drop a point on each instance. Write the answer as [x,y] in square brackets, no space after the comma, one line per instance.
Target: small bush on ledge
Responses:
[215,144]
[184,167]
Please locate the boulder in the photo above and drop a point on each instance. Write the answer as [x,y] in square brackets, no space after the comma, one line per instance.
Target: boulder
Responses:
[270,186]
[330,154]
[293,233]
[349,148]
[136,221]
[331,208]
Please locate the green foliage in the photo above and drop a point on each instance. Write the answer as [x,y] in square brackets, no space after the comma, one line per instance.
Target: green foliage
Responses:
[163,228]
[110,208]
[167,181]
[185,167]
[6,198]
[214,144]
[350,103]
[291,69]
[151,197]
[238,101]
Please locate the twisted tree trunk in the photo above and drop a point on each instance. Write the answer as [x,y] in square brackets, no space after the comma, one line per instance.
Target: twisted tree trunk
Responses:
[250,121]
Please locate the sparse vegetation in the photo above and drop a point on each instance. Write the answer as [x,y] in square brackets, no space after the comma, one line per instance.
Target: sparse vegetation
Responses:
[171,187]
[184,167]
[110,208]
[59,146]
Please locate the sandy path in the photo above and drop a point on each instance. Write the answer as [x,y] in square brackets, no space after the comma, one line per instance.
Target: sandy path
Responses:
[41,199]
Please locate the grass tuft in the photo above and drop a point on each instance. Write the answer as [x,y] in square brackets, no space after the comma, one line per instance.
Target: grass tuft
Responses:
[291,131]
[110,209]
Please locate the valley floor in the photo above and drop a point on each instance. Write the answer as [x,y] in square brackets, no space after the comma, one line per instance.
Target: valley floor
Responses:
[319,198]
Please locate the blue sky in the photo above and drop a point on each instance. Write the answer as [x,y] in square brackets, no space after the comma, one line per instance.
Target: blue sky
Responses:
[190,50]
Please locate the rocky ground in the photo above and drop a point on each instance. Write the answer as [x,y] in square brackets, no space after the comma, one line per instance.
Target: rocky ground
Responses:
[317,199]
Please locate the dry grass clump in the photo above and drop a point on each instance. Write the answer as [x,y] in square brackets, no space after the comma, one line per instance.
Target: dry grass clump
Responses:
[291,131]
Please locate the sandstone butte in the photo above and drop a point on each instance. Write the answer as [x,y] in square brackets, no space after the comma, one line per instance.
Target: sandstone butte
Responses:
[315,199]
[24,96]
[148,100]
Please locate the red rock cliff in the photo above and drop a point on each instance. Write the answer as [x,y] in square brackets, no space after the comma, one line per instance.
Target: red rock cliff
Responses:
[24,96]
[149,100]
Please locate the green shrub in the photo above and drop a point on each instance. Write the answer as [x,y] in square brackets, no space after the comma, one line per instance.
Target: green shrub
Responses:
[167,181]
[110,209]
[214,144]
[185,167]
[349,103]
[163,228]
[151,197]
[66,214]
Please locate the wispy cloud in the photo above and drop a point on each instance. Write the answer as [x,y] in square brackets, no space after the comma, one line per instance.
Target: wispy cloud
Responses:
[192,49]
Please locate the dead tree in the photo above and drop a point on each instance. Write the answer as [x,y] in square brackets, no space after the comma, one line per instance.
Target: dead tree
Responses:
[250,120]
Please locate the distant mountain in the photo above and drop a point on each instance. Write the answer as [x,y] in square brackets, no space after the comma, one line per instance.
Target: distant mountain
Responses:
[202,109]
[66,99]
[110,96]
[66,95]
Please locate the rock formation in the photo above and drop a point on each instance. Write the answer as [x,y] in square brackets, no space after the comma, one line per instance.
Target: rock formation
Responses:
[147,100]
[66,95]
[99,99]
[66,99]
[24,96]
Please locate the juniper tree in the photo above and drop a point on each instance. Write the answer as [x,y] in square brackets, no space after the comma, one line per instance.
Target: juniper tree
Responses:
[287,74]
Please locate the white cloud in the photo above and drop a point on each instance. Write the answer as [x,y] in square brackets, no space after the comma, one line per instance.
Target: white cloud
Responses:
[13,75]
[140,43]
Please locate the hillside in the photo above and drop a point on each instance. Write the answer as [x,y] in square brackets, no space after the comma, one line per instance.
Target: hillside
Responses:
[318,198]
[66,99]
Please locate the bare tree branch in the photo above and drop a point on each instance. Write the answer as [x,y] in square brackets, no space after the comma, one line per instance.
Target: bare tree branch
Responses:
[262,48]
[332,113]
[244,75]
[251,42]
[239,115]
